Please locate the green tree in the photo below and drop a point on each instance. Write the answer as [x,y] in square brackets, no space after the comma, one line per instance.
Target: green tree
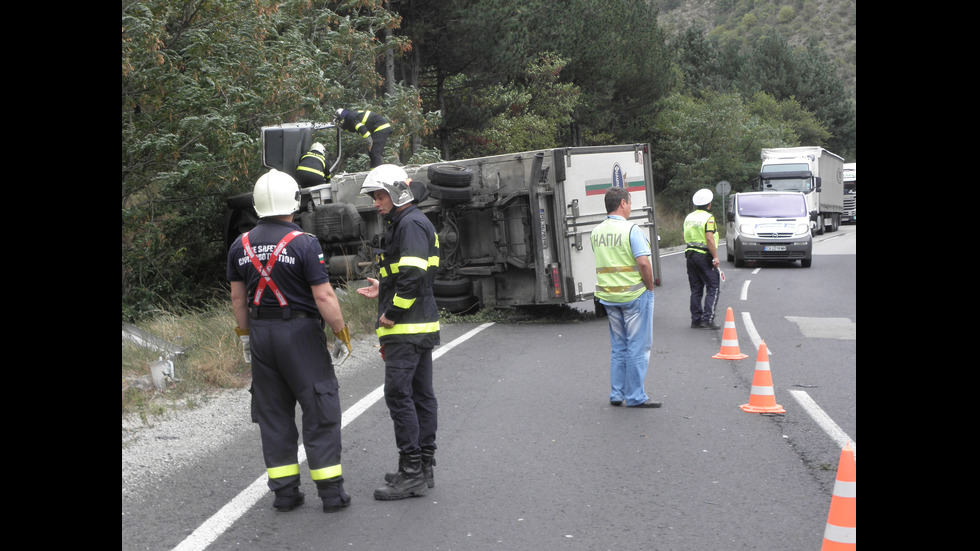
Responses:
[528,113]
[199,79]
[701,141]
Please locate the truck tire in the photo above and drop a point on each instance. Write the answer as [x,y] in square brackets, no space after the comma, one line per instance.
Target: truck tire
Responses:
[452,287]
[458,305]
[450,195]
[450,176]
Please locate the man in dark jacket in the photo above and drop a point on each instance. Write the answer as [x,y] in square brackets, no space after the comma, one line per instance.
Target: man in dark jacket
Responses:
[407,327]
[368,125]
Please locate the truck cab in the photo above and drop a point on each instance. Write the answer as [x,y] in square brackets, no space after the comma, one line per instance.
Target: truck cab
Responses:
[770,225]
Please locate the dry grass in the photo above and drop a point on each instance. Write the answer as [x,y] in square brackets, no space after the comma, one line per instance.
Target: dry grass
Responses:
[213,354]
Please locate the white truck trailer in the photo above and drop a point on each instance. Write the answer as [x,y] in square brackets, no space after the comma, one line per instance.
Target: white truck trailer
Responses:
[513,229]
[814,171]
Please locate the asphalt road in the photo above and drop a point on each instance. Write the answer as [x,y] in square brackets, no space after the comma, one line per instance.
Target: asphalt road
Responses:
[532,456]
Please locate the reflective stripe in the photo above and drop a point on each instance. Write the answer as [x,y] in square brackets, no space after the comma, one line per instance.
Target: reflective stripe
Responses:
[284,471]
[409,329]
[332,471]
[614,269]
[403,303]
[414,261]
[382,127]
[308,169]
[623,289]
[840,534]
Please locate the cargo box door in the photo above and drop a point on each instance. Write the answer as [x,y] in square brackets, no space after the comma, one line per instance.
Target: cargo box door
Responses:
[587,172]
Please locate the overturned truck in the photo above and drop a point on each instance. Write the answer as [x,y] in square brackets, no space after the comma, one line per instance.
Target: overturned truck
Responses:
[513,229]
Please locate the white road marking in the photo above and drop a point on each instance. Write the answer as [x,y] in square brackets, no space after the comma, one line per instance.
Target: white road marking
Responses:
[220,521]
[824,420]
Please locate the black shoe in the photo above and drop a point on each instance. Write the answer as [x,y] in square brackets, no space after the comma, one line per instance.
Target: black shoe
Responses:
[648,404]
[615,402]
[288,499]
[709,325]
[695,325]
[333,506]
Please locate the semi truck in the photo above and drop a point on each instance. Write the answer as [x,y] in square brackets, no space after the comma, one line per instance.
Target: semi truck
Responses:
[513,229]
[850,193]
[814,171]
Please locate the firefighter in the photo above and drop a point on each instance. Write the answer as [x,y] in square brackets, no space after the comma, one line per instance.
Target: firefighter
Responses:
[368,125]
[312,168]
[407,327]
[282,299]
[702,261]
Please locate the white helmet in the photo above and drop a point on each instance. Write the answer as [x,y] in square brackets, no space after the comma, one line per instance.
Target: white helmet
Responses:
[276,194]
[318,147]
[390,178]
[702,197]
[339,114]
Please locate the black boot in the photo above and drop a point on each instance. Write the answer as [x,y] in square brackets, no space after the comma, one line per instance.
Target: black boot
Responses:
[288,499]
[428,461]
[407,482]
[332,494]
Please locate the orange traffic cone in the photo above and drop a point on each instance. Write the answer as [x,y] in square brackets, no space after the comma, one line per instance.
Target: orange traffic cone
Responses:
[762,398]
[841,531]
[729,340]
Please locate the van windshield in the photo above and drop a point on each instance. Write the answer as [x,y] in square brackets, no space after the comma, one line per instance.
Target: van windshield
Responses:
[771,205]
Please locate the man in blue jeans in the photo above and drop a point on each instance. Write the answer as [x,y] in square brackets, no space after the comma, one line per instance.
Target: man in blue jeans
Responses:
[624,285]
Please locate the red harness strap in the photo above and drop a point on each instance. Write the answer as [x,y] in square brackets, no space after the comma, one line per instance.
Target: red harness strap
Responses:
[264,271]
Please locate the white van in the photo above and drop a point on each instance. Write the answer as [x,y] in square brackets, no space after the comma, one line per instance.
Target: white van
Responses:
[768,225]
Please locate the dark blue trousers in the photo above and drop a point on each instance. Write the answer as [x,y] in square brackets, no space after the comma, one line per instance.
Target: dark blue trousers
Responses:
[705,281]
[410,396]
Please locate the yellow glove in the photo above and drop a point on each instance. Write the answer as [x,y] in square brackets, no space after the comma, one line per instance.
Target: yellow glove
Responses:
[243,336]
[344,336]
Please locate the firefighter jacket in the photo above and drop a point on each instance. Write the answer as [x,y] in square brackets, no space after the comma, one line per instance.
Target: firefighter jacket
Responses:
[618,276]
[364,123]
[407,268]
[312,169]
[696,226]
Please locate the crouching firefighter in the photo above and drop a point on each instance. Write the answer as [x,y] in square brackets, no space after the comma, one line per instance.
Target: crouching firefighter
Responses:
[282,300]
[407,327]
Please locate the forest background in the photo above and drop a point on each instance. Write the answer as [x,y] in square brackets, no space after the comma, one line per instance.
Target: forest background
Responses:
[707,84]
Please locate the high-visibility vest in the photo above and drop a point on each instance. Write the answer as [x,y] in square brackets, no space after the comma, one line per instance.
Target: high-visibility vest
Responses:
[695,226]
[618,276]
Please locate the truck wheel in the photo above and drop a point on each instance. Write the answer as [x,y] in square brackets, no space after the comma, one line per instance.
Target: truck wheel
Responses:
[458,305]
[453,176]
[454,287]
[450,194]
